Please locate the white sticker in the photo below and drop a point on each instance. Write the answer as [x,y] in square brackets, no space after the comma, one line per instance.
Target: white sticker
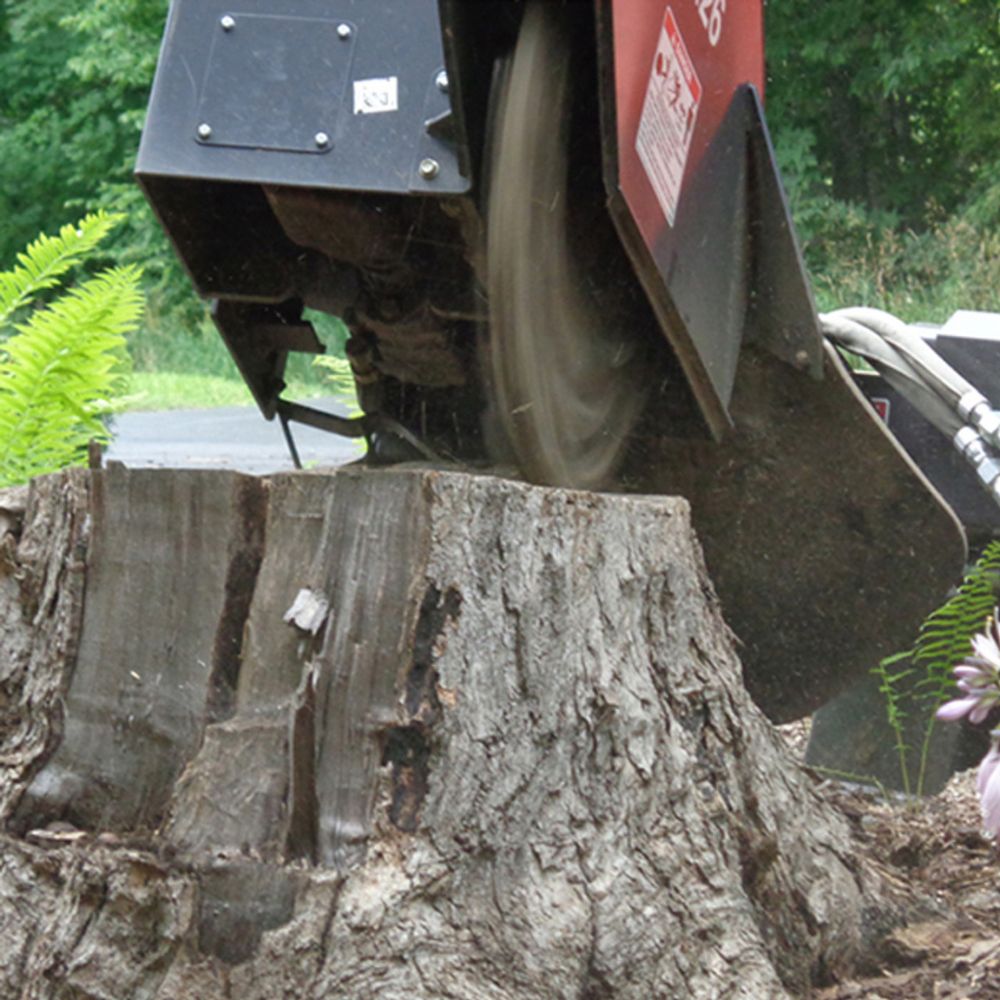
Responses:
[668,117]
[374,97]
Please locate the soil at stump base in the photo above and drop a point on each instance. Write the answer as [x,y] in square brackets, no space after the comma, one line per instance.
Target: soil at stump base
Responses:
[935,849]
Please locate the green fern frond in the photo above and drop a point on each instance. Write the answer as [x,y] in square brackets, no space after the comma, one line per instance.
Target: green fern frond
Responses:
[944,640]
[59,371]
[946,635]
[891,688]
[47,259]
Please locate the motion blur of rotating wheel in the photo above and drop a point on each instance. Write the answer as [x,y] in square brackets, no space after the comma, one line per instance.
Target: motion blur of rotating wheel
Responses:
[564,376]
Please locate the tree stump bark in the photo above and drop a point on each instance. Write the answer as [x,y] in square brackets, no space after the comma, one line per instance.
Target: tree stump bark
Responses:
[392,734]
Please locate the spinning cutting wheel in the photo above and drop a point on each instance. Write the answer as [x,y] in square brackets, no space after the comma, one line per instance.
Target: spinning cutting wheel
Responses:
[563,376]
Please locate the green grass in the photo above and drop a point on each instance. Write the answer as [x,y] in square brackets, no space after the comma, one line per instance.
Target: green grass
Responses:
[184,390]
[182,363]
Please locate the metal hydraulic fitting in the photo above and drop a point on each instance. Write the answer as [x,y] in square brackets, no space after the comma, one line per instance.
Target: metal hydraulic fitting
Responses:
[976,409]
[970,443]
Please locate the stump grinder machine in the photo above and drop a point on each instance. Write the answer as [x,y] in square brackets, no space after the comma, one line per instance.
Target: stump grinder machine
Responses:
[557,236]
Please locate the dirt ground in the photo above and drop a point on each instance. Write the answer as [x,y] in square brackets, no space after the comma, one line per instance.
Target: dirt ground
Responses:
[935,850]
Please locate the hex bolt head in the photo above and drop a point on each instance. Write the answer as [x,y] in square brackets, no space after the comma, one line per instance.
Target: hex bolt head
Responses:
[441,80]
[204,131]
[228,22]
[322,140]
[344,31]
[429,169]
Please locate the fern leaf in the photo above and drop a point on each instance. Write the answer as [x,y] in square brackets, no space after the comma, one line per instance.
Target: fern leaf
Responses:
[946,635]
[59,370]
[48,258]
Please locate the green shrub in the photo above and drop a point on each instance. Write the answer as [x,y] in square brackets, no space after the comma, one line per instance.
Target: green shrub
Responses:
[855,259]
[62,361]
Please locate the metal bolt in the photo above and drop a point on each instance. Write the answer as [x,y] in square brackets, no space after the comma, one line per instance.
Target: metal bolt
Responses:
[228,22]
[204,131]
[442,81]
[322,140]
[429,169]
[343,31]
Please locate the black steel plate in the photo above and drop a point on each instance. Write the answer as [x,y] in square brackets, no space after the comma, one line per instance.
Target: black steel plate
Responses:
[274,83]
[371,76]
[825,542]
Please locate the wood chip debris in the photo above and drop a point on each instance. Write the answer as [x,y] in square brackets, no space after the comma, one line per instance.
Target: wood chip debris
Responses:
[308,612]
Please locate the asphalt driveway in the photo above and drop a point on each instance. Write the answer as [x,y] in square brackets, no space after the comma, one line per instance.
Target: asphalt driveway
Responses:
[233,437]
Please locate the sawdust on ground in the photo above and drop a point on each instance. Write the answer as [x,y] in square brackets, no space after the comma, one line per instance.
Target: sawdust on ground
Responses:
[934,848]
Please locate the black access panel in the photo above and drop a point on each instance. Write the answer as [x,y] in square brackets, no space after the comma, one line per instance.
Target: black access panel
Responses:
[338,95]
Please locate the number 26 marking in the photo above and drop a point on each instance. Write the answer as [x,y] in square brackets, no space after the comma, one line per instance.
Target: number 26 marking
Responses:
[711,12]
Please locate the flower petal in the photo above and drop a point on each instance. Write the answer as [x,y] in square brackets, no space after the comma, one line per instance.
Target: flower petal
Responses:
[990,803]
[986,647]
[986,697]
[957,708]
[976,661]
[986,768]
[979,713]
[967,672]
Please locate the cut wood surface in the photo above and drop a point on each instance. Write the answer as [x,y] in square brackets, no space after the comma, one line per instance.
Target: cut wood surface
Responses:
[513,759]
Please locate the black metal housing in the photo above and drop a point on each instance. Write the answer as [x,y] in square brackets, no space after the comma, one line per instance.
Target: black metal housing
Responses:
[389,100]
[318,94]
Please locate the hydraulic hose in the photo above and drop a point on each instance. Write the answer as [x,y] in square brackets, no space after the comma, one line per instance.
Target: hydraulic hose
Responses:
[912,367]
[897,369]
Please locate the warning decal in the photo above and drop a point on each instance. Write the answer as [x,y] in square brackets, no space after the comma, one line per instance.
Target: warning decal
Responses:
[668,117]
[881,406]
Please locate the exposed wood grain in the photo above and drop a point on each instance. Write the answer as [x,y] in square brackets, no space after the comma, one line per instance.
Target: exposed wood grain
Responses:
[43,542]
[170,569]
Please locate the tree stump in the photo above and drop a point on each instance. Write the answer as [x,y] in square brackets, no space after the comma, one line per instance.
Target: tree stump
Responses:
[394,734]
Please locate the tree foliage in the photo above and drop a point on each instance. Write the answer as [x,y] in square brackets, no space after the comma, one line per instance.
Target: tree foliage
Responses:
[892,107]
[886,118]
[73,90]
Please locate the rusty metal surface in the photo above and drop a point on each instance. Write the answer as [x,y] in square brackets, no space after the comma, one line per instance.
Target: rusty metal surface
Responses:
[826,544]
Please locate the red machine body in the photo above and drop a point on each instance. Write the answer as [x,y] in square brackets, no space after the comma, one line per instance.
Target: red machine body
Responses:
[677,66]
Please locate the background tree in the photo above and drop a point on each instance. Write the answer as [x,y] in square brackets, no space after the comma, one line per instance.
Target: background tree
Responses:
[887,123]
[886,119]
[892,122]
[73,93]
